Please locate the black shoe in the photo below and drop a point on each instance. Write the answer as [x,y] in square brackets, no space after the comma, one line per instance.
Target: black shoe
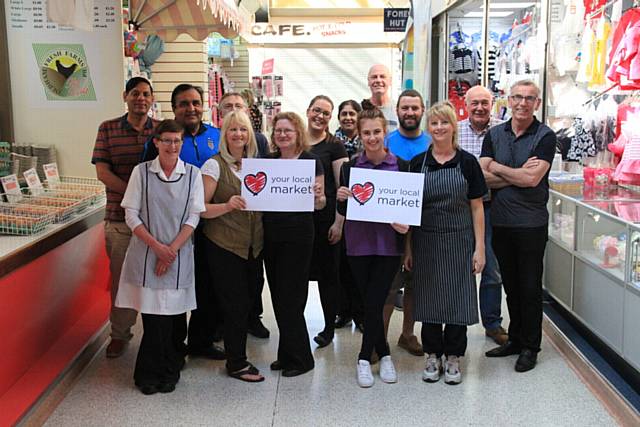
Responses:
[276,366]
[294,372]
[214,352]
[342,321]
[148,389]
[526,361]
[323,339]
[507,349]
[218,335]
[258,330]
[166,387]
[360,326]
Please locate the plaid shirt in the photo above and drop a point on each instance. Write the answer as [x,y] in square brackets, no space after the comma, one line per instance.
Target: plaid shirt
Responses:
[469,139]
[120,145]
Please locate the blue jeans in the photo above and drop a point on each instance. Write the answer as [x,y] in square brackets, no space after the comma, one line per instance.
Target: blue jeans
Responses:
[491,281]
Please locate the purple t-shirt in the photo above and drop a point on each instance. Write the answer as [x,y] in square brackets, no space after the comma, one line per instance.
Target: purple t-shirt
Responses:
[372,238]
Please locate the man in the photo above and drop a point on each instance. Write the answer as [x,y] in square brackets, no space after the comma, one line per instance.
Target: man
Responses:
[471,133]
[406,142]
[201,142]
[516,158]
[117,151]
[379,82]
[233,101]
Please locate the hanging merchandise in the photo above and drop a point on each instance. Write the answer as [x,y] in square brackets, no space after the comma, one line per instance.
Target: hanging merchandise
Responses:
[267,86]
[154,47]
[256,86]
[131,46]
[624,59]
[278,85]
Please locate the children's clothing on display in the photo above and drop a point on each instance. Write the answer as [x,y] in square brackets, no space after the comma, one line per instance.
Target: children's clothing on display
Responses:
[624,59]
[582,143]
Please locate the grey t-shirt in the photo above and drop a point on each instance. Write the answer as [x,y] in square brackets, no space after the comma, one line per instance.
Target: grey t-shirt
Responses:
[514,206]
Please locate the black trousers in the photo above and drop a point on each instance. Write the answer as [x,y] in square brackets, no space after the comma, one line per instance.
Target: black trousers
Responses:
[205,319]
[257,308]
[235,287]
[287,265]
[520,253]
[350,298]
[374,275]
[450,342]
[159,358]
[326,260]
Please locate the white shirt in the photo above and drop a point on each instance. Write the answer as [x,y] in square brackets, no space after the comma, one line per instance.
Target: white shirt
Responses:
[212,168]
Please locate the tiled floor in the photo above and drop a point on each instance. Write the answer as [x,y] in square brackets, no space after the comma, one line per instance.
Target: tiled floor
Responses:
[491,393]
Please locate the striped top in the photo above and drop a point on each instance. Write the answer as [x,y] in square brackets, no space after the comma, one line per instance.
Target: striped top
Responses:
[120,145]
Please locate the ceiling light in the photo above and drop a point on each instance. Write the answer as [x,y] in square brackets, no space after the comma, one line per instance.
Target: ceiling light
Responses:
[517,5]
[491,14]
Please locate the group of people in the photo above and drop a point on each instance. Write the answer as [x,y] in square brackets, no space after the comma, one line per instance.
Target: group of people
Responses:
[179,237]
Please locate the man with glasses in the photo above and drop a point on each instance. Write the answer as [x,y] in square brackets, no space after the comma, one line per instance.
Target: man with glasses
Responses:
[516,158]
[200,143]
[117,151]
[471,133]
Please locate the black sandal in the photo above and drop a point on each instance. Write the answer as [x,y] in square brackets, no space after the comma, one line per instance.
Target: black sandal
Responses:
[247,370]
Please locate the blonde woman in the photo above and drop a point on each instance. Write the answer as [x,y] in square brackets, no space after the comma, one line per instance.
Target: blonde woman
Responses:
[234,240]
[447,249]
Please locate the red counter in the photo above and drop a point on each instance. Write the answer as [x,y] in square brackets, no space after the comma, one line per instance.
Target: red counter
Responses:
[54,297]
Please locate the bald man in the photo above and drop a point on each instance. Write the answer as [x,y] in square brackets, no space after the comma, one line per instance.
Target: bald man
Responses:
[379,82]
[471,132]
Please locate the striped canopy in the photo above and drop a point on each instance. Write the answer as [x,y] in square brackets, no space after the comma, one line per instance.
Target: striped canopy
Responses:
[198,18]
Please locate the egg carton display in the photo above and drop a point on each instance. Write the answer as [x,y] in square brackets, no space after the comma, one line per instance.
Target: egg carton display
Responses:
[24,220]
[81,200]
[92,187]
[21,163]
[62,209]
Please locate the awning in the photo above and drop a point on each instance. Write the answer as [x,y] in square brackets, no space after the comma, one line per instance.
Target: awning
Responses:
[198,18]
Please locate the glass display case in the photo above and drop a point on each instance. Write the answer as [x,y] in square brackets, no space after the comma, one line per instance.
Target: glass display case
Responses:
[562,212]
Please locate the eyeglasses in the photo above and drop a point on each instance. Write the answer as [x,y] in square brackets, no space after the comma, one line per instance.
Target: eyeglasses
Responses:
[171,141]
[519,98]
[283,131]
[319,111]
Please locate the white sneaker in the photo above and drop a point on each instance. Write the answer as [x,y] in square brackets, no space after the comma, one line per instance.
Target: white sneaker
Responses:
[365,377]
[388,371]
[431,373]
[452,374]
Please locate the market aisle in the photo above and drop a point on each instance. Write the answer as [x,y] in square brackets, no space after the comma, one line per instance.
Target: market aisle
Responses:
[491,392]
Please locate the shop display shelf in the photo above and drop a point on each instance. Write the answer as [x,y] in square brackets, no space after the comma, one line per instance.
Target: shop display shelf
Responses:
[82,199]
[24,220]
[63,209]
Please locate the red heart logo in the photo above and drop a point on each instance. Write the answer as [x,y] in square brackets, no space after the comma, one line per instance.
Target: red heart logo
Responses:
[255,183]
[362,192]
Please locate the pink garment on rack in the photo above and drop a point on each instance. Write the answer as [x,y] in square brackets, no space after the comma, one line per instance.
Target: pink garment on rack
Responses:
[624,58]
[628,170]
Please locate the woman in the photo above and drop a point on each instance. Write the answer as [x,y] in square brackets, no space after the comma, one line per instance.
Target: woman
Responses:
[288,247]
[234,240]
[448,248]
[326,253]
[347,133]
[373,249]
[162,205]
[350,300]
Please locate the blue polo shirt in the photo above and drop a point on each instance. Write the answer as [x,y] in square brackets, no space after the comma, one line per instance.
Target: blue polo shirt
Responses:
[196,149]
[407,148]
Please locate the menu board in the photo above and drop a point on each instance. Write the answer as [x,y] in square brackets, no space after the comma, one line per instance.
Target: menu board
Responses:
[64,56]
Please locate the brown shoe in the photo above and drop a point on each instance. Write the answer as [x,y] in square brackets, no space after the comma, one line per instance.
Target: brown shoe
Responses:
[116,348]
[499,335]
[411,344]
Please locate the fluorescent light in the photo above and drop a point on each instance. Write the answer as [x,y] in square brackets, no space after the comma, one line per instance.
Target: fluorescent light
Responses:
[491,14]
[517,5]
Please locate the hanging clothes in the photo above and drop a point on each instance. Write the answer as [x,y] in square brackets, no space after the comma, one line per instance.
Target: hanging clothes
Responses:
[582,144]
[624,59]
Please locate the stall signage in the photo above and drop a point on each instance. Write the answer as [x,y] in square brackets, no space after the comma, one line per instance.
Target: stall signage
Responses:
[343,31]
[31,176]
[278,184]
[11,187]
[395,19]
[51,172]
[267,66]
[385,196]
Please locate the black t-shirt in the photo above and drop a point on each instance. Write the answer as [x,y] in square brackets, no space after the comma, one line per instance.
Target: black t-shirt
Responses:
[514,206]
[290,226]
[469,167]
[329,150]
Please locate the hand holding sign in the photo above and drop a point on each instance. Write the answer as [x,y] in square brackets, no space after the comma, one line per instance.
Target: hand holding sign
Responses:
[236,203]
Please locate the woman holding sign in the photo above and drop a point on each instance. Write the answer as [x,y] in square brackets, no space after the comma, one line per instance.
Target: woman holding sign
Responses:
[234,240]
[288,247]
[447,249]
[373,249]
[326,252]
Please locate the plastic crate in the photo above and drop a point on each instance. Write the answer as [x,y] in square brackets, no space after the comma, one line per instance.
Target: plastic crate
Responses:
[22,221]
